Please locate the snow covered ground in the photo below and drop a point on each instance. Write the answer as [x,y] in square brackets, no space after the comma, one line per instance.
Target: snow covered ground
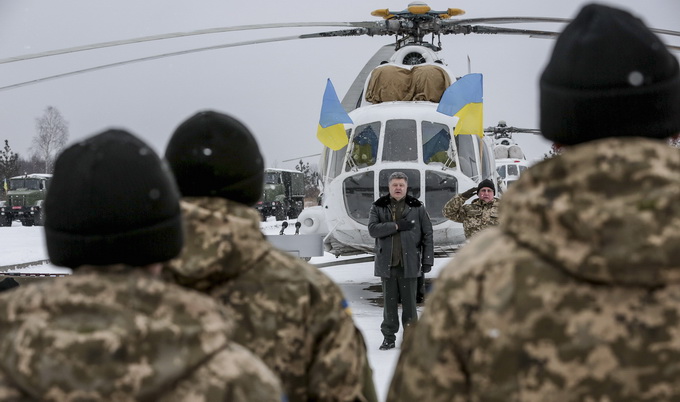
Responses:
[20,244]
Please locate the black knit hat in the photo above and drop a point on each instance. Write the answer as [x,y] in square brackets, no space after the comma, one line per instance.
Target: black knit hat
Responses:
[214,155]
[486,183]
[112,201]
[609,76]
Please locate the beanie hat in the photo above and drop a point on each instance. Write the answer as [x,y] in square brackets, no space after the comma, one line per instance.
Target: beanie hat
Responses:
[609,75]
[486,183]
[214,155]
[111,200]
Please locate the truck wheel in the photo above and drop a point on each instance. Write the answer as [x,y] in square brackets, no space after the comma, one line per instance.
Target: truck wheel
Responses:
[38,219]
[27,222]
[281,215]
[293,213]
[5,221]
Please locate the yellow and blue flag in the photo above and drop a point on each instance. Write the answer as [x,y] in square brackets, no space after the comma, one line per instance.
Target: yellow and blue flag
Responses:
[331,130]
[464,99]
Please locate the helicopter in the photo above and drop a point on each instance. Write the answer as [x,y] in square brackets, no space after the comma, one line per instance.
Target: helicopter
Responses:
[355,176]
[508,154]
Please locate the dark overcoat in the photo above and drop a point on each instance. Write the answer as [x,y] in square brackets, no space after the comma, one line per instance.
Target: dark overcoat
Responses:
[416,244]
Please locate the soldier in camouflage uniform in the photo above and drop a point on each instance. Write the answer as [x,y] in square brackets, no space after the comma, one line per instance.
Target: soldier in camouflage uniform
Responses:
[110,331]
[575,296]
[287,312]
[477,215]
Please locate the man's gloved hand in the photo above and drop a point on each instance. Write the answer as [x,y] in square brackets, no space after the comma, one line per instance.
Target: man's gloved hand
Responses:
[403,224]
[469,193]
[426,268]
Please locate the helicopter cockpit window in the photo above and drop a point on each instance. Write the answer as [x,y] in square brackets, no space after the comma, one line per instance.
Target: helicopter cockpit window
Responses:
[439,189]
[467,155]
[337,159]
[400,141]
[358,191]
[364,146]
[436,144]
[501,171]
[513,170]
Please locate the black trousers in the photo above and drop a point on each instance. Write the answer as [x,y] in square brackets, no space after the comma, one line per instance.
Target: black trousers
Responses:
[394,288]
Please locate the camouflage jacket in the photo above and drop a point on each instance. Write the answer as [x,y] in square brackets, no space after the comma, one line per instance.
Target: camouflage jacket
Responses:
[474,216]
[286,311]
[120,335]
[575,296]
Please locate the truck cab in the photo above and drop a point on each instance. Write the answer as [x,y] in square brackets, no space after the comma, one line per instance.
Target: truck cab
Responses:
[25,198]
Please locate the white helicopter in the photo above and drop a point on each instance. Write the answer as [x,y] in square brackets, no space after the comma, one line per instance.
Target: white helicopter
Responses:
[396,127]
[508,155]
[393,129]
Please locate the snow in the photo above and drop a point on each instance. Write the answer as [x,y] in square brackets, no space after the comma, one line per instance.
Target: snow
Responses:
[26,244]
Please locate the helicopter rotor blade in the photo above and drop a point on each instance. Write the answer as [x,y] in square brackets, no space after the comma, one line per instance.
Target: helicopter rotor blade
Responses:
[181,35]
[507,20]
[483,29]
[155,57]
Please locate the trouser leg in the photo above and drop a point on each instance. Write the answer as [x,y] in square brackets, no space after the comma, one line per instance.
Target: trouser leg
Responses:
[408,288]
[390,324]
[420,293]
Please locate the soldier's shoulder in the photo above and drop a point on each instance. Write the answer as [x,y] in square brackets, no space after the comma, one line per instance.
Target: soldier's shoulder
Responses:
[486,252]
[281,263]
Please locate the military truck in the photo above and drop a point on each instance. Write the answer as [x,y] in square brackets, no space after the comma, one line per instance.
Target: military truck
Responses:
[25,198]
[283,195]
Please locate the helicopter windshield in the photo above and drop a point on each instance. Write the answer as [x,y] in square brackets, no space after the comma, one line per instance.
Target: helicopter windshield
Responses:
[364,146]
[436,143]
[400,141]
[501,171]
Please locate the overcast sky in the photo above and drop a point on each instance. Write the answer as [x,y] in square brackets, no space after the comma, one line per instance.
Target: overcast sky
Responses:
[275,89]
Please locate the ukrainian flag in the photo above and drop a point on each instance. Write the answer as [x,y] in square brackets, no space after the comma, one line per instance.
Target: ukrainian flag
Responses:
[331,130]
[463,99]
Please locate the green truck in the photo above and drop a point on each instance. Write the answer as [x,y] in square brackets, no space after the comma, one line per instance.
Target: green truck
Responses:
[25,198]
[284,194]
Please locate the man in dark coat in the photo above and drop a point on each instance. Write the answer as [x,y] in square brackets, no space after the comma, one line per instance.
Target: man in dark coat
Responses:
[403,248]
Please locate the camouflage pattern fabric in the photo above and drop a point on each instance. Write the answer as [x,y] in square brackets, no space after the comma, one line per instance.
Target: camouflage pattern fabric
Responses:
[474,216]
[286,311]
[574,297]
[120,335]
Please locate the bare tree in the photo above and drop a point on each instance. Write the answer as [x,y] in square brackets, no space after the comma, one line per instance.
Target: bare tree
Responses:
[52,134]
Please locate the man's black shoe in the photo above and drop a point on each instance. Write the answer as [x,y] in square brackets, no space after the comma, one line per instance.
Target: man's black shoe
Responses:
[387,345]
